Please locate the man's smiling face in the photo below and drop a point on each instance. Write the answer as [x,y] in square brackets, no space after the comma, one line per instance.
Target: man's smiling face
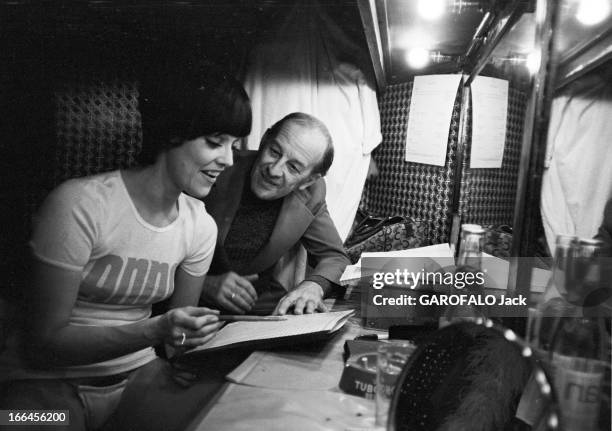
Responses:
[286,161]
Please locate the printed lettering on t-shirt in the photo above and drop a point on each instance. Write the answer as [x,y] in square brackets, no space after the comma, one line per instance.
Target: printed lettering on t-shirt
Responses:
[119,280]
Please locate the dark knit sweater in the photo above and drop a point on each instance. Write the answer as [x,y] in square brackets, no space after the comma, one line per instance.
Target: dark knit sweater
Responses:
[250,230]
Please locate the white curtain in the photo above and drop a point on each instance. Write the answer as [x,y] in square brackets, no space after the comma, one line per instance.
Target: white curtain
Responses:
[578,179]
[308,66]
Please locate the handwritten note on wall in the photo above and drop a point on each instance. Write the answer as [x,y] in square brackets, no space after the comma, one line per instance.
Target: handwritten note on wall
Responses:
[489,114]
[431,107]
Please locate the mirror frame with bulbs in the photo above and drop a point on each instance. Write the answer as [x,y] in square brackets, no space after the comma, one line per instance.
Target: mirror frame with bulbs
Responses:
[557,70]
[495,24]
[549,72]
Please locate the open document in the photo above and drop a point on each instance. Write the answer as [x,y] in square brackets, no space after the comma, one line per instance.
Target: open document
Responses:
[272,333]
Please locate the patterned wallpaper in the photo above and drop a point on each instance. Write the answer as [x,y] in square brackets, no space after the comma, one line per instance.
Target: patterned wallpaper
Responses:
[424,192]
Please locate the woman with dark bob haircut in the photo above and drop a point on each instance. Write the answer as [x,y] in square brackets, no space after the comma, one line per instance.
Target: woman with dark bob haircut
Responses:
[107,247]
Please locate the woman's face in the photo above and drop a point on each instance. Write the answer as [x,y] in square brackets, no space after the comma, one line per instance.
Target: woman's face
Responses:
[194,166]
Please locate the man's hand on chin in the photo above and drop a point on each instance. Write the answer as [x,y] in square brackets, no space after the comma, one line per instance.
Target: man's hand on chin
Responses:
[304,299]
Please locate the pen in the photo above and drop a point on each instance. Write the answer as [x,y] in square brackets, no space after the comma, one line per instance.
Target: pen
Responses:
[243,318]
[372,337]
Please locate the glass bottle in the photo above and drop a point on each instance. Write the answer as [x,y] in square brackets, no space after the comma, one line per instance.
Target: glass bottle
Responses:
[552,306]
[470,247]
[572,337]
[561,264]
[469,261]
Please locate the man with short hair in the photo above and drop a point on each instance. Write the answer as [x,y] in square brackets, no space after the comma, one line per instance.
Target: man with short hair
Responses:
[264,205]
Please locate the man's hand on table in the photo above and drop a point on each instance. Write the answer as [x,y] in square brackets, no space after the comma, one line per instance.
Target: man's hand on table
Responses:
[231,291]
[304,299]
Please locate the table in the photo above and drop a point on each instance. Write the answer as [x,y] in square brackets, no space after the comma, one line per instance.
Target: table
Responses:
[282,389]
[295,390]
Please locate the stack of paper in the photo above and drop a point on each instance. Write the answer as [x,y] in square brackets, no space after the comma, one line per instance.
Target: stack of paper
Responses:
[440,253]
[495,269]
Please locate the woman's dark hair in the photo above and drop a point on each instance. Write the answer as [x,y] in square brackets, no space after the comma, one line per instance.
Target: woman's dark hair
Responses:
[186,101]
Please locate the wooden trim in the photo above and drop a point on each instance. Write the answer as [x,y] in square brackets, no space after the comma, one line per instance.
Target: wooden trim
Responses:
[383,26]
[584,58]
[369,29]
[501,23]
[462,146]
[535,134]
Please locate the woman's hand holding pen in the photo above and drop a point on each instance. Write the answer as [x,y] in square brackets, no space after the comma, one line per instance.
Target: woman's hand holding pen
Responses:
[231,291]
[186,326]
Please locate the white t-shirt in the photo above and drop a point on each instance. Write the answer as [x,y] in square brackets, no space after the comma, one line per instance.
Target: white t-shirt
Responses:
[91,225]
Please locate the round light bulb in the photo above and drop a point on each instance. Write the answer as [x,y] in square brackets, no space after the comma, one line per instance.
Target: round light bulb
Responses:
[533,62]
[417,58]
[591,12]
[431,9]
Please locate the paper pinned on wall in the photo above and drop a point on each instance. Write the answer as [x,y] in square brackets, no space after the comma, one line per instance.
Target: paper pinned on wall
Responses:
[431,107]
[489,116]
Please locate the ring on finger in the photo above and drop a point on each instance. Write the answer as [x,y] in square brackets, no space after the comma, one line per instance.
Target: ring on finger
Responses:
[233,295]
[183,338]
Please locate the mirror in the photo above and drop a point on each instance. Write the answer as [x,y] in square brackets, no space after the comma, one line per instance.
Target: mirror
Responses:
[566,188]
[573,159]
[485,39]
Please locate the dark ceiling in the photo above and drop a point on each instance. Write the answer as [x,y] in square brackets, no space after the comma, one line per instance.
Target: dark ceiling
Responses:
[134,34]
[56,35]
[449,36]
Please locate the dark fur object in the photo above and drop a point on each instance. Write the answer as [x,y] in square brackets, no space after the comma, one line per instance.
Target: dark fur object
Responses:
[465,378]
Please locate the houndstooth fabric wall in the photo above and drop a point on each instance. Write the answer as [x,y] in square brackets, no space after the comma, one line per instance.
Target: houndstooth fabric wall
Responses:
[98,128]
[488,195]
[424,192]
[420,191]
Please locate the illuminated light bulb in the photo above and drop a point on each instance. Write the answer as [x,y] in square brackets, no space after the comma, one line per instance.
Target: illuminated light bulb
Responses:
[417,58]
[553,421]
[533,62]
[591,12]
[431,9]
[540,12]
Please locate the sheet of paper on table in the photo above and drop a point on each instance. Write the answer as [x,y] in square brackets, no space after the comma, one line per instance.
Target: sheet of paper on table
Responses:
[496,275]
[440,253]
[497,271]
[285,369]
